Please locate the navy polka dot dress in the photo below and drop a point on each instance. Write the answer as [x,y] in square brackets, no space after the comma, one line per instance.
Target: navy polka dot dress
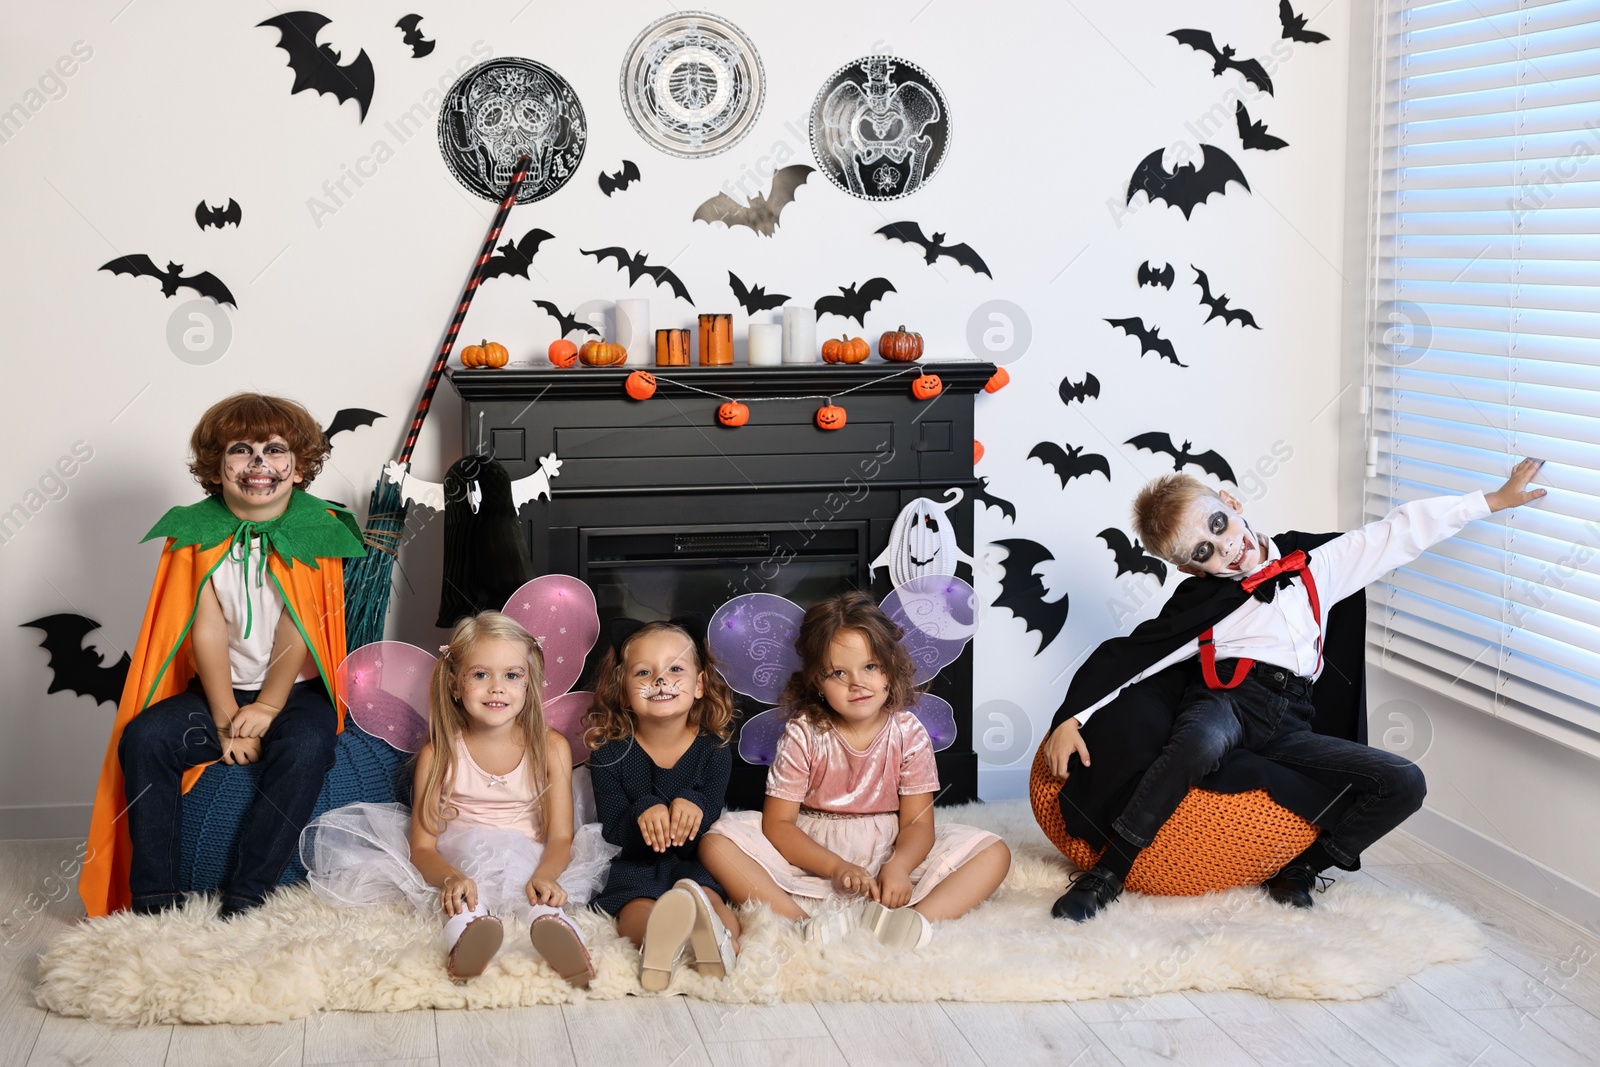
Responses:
[627,782]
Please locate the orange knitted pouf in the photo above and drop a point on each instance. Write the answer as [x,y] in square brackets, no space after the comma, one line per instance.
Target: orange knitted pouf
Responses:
[1213,841]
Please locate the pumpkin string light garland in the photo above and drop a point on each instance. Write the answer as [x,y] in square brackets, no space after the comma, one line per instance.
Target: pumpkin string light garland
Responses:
[733,412]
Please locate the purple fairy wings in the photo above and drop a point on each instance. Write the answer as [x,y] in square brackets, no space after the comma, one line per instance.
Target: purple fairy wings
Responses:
[385,684]
[753,638]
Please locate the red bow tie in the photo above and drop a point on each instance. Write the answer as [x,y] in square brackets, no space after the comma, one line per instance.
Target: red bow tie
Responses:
[1290,565]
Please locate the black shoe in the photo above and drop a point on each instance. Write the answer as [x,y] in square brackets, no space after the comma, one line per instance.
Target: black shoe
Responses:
[1292,885]
[1089,892]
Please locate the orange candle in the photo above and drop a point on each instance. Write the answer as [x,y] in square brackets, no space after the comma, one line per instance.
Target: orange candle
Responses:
[672,348]
[716,340]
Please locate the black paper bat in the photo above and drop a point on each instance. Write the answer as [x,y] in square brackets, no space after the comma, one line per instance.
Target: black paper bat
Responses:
[1211,461]
[1131,556]
[205,215]
[1022,592]
[1201,41]
[411,29]
[317,66]
[205,283]
[1219,304]
[1254,134]
[1150,276]
[762,214]
[610,183]
[638,266]
[515,258]
[75,668]
[856,302]
[1294,26]
[349,419]
[1150,339]
[983,496]
[756,299]
[1079,391]
[934,247]
[1186,188]
[1069,462]
[568,322]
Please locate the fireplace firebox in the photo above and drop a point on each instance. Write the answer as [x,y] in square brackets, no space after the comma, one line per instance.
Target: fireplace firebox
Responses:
[662,511]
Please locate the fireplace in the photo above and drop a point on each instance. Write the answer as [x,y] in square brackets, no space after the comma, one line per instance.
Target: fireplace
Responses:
[661,511]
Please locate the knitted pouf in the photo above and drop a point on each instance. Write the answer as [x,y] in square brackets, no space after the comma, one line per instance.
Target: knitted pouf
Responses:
[364,769]
[1213,841]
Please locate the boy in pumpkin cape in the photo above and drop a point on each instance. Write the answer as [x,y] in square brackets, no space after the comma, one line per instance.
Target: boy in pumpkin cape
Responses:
[234,661]
[1260,712]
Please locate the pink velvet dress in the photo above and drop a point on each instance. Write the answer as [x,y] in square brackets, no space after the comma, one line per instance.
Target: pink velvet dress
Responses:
[850,804]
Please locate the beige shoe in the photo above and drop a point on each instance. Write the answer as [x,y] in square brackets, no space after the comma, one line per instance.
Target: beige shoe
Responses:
[666,935]
[710,939]
[556,938]
[479,941]
[828,927]
[896,927]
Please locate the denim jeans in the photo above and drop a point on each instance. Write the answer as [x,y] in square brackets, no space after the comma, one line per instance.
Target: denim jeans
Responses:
[1270,714]
[174,734]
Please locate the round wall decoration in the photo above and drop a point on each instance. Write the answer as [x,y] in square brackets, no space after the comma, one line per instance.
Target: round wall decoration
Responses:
[692,84]
[880,127]
[503,109]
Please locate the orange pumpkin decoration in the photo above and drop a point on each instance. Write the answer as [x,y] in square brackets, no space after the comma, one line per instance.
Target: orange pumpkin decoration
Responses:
[830,417]
[977,451]
[485,354]
[597,353]
[563,353]
[641,385]
[997,381]
[845,350]
[733,413]
[898,346]
[926,386]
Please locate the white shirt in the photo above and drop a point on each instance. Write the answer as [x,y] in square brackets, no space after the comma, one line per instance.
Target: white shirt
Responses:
[262,606]
[1285,633]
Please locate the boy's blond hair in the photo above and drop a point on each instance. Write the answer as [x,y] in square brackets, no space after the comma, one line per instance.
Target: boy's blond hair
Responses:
[1159,512]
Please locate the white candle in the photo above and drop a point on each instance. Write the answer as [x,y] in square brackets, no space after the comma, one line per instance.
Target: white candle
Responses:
[799,334]
[633,332]
[766,344]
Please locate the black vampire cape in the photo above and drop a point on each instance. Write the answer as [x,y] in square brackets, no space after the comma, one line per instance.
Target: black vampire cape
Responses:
[1126,735]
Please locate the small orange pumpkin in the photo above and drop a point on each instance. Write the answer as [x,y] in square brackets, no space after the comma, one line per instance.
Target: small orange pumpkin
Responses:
[830,417]
[899,346]
[845,350]
[997,381]
[597,353]
[485,354]
[563,353]
[641,385]
[926,386]
[977,451]
[733,413]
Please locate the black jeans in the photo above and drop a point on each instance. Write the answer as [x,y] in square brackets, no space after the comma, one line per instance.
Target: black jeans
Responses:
[1270,713]
[171,735]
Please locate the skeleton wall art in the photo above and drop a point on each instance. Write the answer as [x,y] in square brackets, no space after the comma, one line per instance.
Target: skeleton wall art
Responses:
[692,84]
[880,127]
[503,109]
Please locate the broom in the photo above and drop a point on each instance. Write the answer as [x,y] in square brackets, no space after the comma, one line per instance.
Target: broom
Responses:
[368,579]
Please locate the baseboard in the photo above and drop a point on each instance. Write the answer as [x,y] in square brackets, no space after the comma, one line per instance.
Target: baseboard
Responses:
[34,822]
[1498,862]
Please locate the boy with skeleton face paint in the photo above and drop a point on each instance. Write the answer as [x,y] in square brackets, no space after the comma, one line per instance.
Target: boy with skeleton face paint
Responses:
[234,661]
[1254,614]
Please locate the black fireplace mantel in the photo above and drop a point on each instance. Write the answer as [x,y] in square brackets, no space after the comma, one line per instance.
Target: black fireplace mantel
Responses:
[659,484]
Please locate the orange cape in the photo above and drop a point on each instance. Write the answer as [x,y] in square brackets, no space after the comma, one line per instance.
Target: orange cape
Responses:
[313,594]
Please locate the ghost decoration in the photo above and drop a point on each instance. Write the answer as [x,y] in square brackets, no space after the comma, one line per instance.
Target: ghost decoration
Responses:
[922,541]
[432,494]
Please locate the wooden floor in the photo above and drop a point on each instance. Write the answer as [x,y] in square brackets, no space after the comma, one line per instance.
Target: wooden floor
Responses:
[1533,999]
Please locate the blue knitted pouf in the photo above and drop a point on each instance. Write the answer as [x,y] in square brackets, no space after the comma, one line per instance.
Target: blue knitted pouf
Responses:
[364,769]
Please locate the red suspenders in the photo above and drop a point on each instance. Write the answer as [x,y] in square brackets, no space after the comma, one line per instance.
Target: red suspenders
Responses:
[1294,563]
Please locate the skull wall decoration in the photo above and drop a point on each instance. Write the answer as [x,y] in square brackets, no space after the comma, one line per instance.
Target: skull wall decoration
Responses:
[506,108]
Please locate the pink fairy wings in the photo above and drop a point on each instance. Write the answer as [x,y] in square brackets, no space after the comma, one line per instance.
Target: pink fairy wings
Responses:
[385,684]
[753,636]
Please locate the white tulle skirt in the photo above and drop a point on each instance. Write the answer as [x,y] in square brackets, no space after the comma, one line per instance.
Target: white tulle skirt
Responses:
[360,854]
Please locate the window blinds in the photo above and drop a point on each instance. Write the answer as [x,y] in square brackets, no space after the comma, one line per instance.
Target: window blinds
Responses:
[1485,346]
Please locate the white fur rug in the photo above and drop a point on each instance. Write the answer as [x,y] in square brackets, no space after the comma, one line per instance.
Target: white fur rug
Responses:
[297,956]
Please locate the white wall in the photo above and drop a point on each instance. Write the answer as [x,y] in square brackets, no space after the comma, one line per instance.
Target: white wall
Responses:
[1052,110]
